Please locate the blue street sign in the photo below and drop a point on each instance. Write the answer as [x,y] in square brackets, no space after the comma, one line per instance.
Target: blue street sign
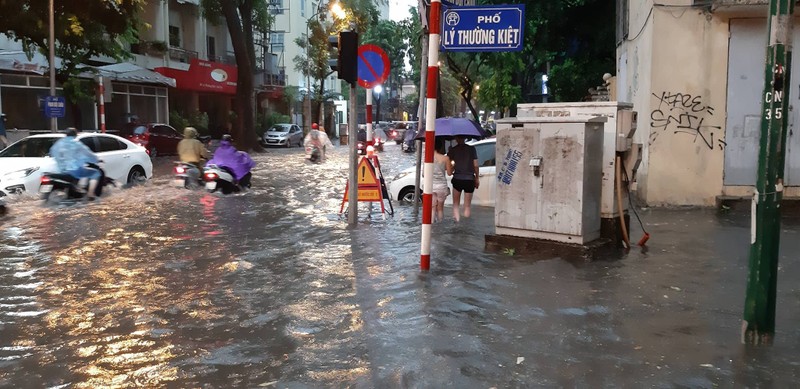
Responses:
[484,28]
[55,107]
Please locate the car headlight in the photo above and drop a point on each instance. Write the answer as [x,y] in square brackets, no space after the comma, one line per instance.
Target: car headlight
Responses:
[20,174]
[401,175]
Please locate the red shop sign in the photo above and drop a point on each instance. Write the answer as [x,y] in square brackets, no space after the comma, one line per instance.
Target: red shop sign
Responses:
[204,76]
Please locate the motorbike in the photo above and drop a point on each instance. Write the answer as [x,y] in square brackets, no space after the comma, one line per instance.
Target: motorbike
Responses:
[409,141]
[186,175]
[65,187]
[314,154]
[221,178]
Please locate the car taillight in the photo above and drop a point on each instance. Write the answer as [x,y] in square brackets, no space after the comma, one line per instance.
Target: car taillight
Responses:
[211,176]
[179,169]
[45,180]
[146,150]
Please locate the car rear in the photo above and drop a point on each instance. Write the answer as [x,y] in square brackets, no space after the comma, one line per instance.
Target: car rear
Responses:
[140,135]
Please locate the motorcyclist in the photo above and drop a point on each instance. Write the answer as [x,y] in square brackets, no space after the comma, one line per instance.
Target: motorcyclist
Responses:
[192,152]
[239,162]
[72,157]
[318,138]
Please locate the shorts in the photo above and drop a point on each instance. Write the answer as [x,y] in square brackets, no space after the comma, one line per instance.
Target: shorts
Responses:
[467,186]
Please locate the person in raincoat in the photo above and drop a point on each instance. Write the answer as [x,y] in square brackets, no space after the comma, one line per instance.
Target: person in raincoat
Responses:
[237,161]
[318,138]
[72,157]
[193,152]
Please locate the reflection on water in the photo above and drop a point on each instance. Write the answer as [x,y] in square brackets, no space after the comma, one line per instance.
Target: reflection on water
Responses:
[156,286]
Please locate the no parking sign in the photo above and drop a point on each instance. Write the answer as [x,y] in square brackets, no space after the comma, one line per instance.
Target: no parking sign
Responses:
[373,66]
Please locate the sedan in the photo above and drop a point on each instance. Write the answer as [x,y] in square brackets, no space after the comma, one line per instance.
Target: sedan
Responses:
[157,138]
[23,163]
[284,134]
[402,186]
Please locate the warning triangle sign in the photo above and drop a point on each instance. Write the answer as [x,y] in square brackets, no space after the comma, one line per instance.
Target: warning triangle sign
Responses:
[366,173]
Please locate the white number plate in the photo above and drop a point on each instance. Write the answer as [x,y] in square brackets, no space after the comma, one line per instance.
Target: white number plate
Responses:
[179,182]
[45,188]
[211,185]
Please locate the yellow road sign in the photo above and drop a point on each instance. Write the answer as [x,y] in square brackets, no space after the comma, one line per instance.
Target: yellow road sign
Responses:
[366,173]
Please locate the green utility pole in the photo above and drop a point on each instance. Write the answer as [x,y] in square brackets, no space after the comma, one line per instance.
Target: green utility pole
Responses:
[758,326]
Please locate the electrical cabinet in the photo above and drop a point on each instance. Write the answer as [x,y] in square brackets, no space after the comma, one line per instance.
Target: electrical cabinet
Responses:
[549,177]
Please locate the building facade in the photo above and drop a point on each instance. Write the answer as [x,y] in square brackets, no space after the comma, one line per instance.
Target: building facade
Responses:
[694,71]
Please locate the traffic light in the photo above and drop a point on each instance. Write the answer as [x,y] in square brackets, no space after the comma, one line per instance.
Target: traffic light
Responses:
[344,55]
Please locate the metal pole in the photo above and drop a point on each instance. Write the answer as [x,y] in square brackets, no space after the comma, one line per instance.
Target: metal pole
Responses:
[102,105]
[758,326]
[352,201]
[52,43]
[421,112]
[430,128]
[369,118]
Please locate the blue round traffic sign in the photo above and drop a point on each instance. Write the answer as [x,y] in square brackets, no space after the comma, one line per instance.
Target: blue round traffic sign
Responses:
[373,66]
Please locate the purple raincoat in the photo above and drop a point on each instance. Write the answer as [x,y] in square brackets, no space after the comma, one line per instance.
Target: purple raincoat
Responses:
[227,156]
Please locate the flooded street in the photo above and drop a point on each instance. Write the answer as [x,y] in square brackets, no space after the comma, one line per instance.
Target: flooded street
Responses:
[156,286]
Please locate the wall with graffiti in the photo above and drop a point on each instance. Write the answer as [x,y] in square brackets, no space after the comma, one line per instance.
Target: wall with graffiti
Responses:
[682,109]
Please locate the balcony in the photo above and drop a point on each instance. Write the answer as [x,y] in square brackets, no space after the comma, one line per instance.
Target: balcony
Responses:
[736,8]
[229,58]
[182,55]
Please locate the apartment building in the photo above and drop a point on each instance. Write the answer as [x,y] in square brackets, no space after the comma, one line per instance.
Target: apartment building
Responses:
[183,63]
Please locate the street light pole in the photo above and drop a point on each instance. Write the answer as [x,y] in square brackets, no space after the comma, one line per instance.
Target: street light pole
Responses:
[308,73]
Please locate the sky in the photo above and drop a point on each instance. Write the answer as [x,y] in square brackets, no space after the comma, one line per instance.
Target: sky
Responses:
[398,9]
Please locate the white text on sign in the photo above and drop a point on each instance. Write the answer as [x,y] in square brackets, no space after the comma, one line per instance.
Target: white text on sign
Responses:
[506,36]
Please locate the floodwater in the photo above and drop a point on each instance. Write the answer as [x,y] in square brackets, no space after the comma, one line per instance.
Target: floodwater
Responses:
[162,287]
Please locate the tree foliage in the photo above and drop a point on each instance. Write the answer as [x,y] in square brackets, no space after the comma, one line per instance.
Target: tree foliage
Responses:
[82,29]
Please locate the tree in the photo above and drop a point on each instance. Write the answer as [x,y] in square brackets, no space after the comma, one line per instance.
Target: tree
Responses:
[313,60]
[243,18]
[83,29]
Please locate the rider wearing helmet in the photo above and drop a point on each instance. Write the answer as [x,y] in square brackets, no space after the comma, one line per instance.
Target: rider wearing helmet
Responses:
[318,138]
[238,162]
[192,152]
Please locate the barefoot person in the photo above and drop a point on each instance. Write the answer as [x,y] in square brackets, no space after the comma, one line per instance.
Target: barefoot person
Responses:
[465,175]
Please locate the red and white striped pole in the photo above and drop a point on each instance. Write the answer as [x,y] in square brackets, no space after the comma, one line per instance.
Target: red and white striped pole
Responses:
[434,30]
[369,120]
[102,105]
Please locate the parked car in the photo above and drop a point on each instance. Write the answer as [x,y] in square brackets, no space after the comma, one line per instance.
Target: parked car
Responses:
[23,163]
[283,134]
[402,185]
[156,138]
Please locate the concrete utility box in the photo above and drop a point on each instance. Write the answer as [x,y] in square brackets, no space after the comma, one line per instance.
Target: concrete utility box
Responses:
[613,126]
[549,174]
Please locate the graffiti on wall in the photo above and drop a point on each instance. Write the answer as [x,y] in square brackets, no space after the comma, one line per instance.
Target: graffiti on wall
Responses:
[684,113]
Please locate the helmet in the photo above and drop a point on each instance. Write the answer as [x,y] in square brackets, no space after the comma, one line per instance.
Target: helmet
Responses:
[227,137]
[314,126]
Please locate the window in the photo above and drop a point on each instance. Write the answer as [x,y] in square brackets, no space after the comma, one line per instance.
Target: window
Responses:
[276,40]
[108,143]
[30,148]
[275,6]
[303,8]
[174,36]
[90,142]
[486,155]
[212,47]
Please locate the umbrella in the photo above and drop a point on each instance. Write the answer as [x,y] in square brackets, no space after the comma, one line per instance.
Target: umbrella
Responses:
[452,127]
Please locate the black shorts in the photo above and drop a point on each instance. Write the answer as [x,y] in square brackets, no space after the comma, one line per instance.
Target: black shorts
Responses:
[467,186]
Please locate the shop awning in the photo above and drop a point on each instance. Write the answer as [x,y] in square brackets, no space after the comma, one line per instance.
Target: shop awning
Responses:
[17,61]
[128,72]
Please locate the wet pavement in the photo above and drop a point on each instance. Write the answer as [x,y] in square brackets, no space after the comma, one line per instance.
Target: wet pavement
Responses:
[162,287]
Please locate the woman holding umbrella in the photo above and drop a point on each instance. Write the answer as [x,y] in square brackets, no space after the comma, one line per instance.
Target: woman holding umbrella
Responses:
[465,175]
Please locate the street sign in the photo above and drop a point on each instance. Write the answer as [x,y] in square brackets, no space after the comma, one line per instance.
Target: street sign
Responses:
[55,107]
[484,28]
[373,66]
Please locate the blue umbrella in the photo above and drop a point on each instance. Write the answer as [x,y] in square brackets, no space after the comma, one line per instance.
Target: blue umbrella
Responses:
[452,127]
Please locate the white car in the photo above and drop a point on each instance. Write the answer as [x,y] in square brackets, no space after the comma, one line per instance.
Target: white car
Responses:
[23,163]
[401,187]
